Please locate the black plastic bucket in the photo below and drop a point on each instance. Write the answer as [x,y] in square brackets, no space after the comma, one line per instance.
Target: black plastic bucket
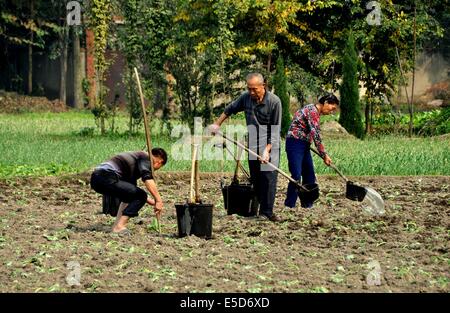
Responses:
[355,192]
[194,219]
[110,205]
[238,199]
[308,194]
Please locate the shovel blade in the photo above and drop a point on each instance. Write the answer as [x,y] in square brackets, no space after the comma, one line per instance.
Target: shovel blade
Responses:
[355,192]
[373,202]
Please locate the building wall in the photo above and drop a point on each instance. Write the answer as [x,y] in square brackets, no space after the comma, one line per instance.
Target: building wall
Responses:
[430,71]
[46,73]
[114,78]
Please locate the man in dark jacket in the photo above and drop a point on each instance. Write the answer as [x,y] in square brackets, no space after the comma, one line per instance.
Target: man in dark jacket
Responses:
[117,178]
[263,117]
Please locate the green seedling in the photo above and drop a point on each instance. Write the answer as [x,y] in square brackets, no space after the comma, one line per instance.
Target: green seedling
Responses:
[228,240]
[319,289]
[337,278]
[54,288]
[154,225]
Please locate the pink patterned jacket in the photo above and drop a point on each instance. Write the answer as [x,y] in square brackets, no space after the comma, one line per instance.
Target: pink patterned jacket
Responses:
[306,126]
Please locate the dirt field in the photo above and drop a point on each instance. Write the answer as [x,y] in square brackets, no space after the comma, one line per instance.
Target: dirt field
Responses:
[48,222]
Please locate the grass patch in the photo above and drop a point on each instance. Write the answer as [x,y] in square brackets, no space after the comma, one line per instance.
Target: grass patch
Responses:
[41,144]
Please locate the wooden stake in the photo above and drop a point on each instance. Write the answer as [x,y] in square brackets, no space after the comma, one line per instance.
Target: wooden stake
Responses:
[192,198]
[147,134]
[197,180]
[147,129]
[411,104]
[238,164]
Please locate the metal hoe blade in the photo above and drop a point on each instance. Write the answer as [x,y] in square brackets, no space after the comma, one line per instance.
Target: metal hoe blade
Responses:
[373,203]
[371,200]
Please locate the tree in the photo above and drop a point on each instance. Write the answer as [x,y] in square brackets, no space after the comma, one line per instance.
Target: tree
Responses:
[131,44]
[63,40]
[323,32]
[100,18]
[77,69]
[280,84]
[209,45]
[144,41]
[378,45]
[24,23]
[197,54]
[30,52]
[350,117]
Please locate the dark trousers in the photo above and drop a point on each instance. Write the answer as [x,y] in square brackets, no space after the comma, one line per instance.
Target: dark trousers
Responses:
[300,165]
[265,186]
[109,183]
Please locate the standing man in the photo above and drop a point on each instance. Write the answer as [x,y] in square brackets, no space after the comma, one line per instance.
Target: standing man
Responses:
[263,117]
[118,177]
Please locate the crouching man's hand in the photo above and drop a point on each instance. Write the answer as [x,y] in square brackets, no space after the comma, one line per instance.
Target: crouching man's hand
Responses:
[158,208]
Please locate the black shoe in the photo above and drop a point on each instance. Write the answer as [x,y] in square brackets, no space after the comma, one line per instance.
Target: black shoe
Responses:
[252,217]
[273,218]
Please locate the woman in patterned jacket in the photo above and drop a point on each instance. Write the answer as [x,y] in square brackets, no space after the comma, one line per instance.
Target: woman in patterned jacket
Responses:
[305,129]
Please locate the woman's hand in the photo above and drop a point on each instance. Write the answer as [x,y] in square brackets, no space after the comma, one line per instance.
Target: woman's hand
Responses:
[327,160]
[151,201]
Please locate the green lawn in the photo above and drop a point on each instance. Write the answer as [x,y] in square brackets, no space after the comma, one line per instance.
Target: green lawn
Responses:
[51,143]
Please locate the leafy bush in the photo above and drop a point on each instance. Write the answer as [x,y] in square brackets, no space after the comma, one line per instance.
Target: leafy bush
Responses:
[435,123]
[430,123]
[281,92]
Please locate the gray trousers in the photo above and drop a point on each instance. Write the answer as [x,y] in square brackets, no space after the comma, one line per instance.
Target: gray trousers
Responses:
[265,186]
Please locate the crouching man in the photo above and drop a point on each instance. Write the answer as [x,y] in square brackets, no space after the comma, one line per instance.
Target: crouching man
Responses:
[117,179]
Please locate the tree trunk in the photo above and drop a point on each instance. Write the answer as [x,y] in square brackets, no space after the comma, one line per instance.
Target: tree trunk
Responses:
[63,62]
[367,116]
[77,69]
[130,124]
[372,105]
[411,105]
[90,67]
[30,67]
[225,80]
[30,53]
[102,125]
[102,105]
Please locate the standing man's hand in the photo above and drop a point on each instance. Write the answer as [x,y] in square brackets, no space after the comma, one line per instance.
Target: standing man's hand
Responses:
[327,160]
[214,128]
[151,201]
[266,155]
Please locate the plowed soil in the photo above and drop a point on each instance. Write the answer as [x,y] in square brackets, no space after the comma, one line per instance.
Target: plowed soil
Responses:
[45,223]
